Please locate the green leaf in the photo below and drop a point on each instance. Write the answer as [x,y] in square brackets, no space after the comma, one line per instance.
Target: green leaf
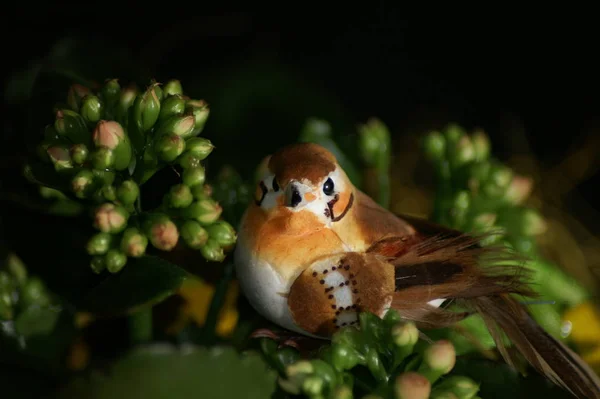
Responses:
[499,381]
[143,281]
[37,320]
[162,371]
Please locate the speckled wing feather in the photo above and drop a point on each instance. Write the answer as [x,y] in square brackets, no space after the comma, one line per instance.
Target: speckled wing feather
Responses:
[334,289]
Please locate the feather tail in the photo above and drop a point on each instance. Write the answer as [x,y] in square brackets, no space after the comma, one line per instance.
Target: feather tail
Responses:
[504,314]
[454,266]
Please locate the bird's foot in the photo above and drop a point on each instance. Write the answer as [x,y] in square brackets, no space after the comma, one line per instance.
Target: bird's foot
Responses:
[285,338]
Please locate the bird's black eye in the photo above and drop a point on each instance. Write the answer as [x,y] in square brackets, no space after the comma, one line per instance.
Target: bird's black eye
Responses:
[328,187]
[296,199]
[275,185]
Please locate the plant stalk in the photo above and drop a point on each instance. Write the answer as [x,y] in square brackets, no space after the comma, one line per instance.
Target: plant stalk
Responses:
[140,326]
[216,304]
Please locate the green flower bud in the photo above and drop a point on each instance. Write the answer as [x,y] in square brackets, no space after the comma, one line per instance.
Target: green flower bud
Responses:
[92,109]
[6,311]
[34,293]
[212,251]
[147,108]
[169,146]
[110,134]
[98,264]
[199,109]
[374,141]
[463,152]
[532,223]
[181,125]
[158,90]
[171,106]
[481,145]
[453,133]
[460,207]
[180,196]
[342,392]
[499,179]
[435,146]
[83,184]
[411,385]
[60,157]
[128,192]
[7,284]
[405,334]
[107,177]
[286,356]
[201,192]
[75,96]
[103,158]
[462,387]
[312,385]
[16,268]
[133,242]
[162,232]
[189,160]
[99,243]
[200,147]
[194,235]
[108,193]
[111,92]
[173,87]
[194,176]
[438,359]
[110,218]
[222,232]
[71,125]
[344,357]
[115,260]
[126,100]
[79,153]
[518,190]
[375,365]
[206,211]
[483,222]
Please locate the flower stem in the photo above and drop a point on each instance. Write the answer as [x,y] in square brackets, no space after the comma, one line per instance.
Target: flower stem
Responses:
[216,304]
[140,326]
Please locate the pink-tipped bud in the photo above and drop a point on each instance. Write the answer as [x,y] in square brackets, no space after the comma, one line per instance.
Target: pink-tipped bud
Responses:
[110,218]
[412,385]
[519,189]
[108,134]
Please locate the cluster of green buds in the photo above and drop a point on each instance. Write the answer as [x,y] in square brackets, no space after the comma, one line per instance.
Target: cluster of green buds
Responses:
[106,144]
[386,348]
[477,193]
[24,298]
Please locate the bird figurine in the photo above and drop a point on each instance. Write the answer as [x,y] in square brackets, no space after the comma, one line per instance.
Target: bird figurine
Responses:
[313,251]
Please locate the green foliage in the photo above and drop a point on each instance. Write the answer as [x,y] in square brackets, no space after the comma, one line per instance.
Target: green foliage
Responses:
[161,371]
[477,193]
[112,149]
[375,358]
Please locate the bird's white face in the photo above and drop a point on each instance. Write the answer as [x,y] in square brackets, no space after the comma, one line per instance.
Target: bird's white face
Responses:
[328,200]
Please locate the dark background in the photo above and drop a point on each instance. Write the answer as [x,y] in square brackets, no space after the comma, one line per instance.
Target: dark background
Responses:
[530,79]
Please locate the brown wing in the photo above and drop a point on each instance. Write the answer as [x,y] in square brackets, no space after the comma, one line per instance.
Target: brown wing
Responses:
[377,222]
[334,289]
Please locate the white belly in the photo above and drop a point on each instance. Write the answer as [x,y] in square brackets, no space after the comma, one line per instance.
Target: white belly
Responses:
[264,288]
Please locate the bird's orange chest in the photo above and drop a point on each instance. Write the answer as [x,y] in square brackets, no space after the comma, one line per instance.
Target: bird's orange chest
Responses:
[289,241]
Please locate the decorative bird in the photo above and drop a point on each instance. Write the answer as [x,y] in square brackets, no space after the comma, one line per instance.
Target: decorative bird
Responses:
[313,251]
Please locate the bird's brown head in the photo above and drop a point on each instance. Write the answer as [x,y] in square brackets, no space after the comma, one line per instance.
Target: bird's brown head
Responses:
[305,177]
